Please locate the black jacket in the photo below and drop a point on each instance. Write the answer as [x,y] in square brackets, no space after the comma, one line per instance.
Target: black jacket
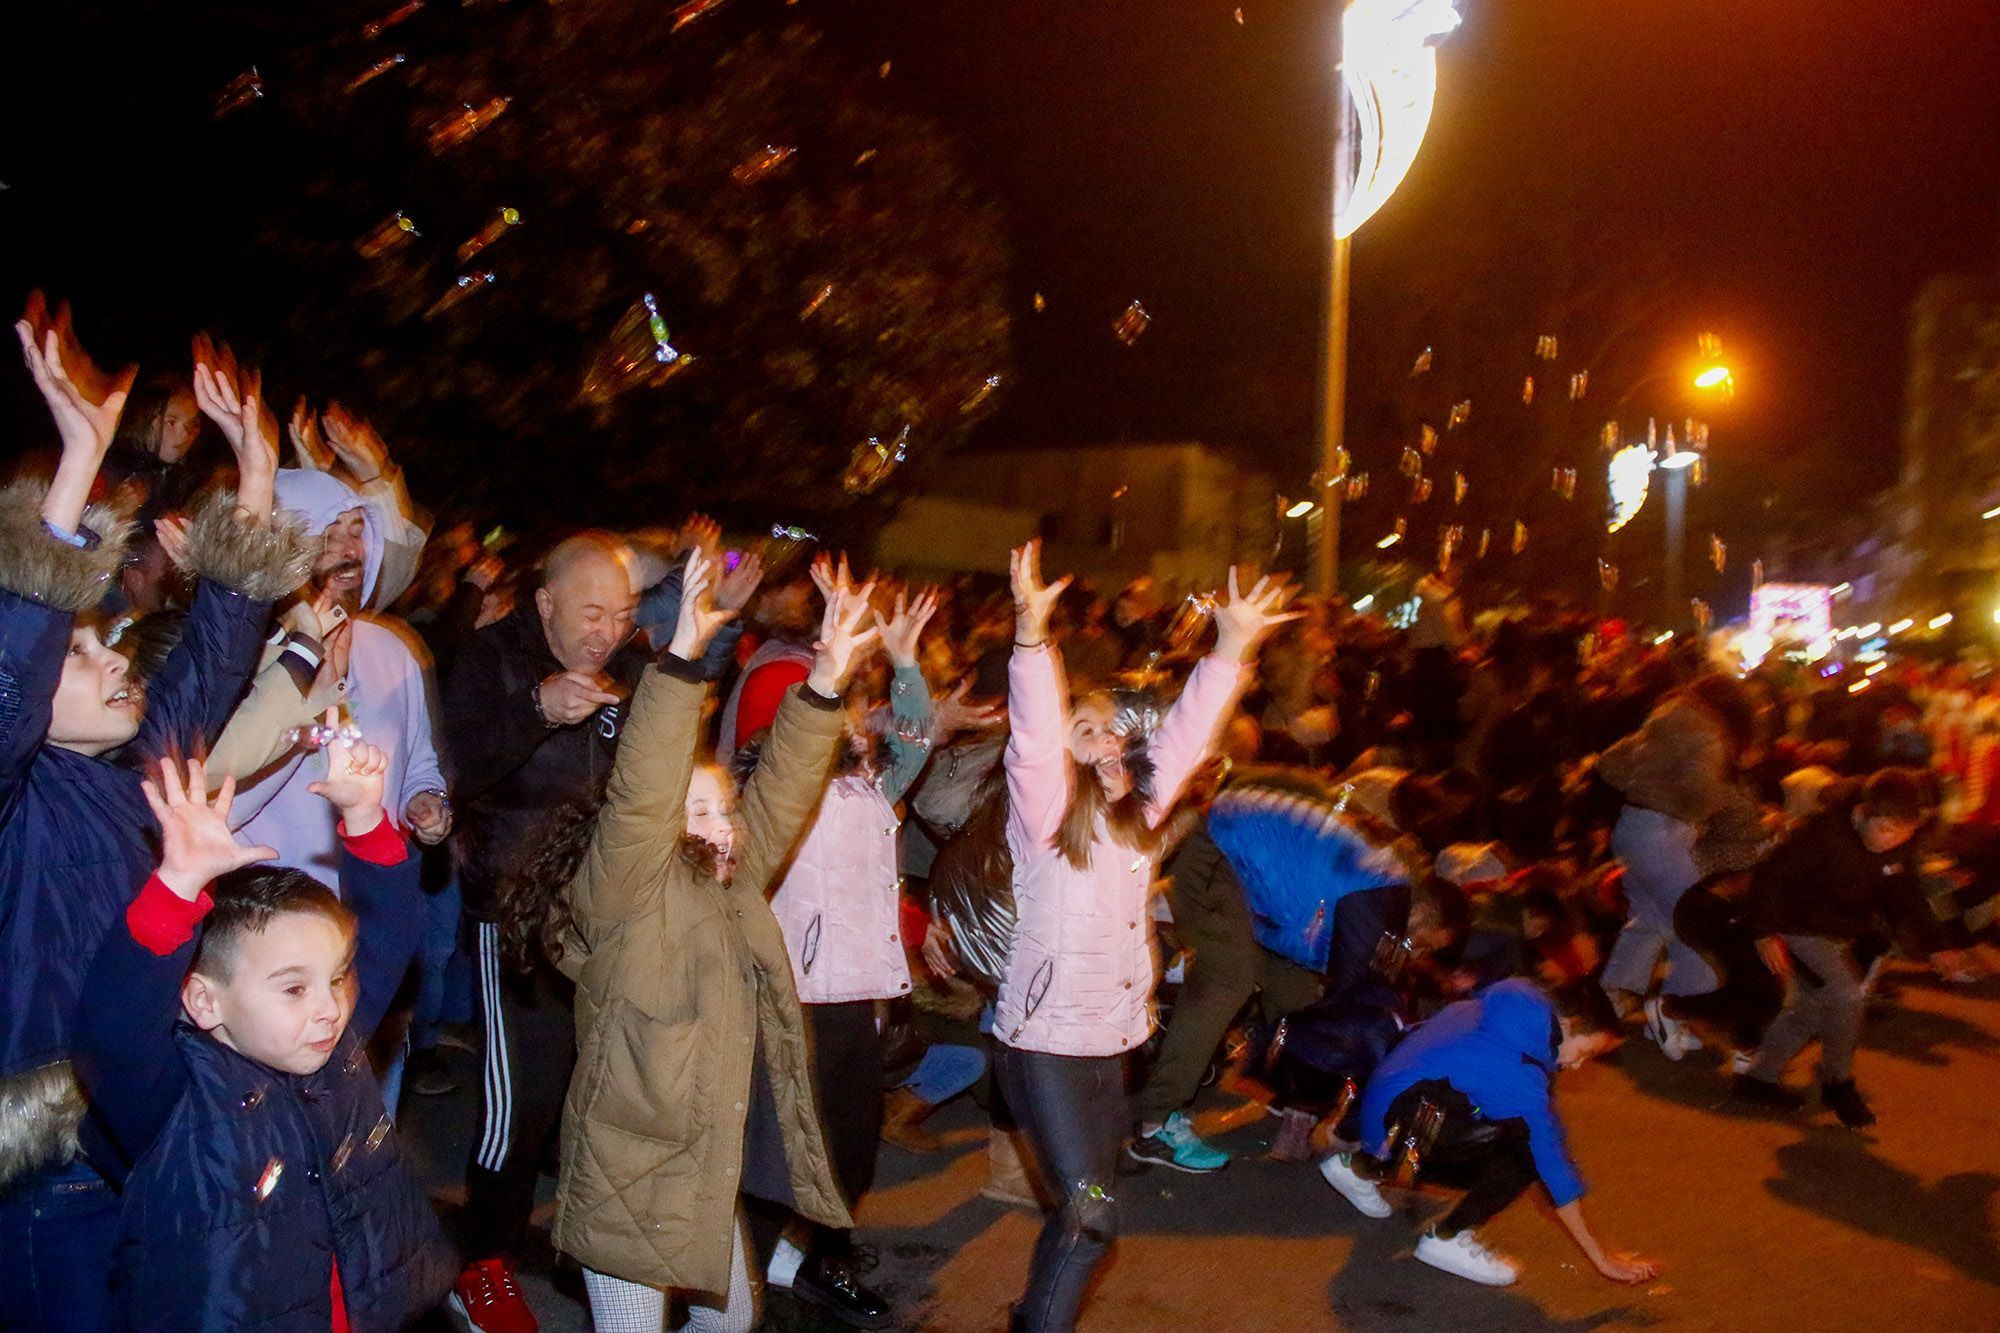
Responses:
[1824,881]
[509,773]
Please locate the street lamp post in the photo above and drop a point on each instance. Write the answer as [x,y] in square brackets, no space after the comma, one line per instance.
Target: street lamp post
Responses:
[1384,94]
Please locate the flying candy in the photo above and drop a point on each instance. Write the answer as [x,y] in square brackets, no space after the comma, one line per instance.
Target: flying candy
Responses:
[1041,303]
[1520,536]
[1718,552]
[1528,391]
[1239,18]
[664,350]
[691,11]
[791,534]
[981,394]
[819,299]
[1413,462]
[1428,442]
[1710,346]
[1131,323]
[1485,540]
[1579,385]
[1420,491]
[865,156]
[455,127]
[1459,486]
[884,71]
[318,736]
[1607,575]
[370,31]
[1357,487]
[486,235]
[1545,347]
[873,461]
[388,234]
[1449,540]
[1562,481]
[239,92]
[1608,437]
[1422,365]
[1460,414]
[1703,617]
[374,72]
[761,164]
[464,285]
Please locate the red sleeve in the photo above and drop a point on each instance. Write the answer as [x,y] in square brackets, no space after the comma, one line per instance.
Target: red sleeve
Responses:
[916,925]
[383,845]
[161,921]
[763,690]
[340,1324]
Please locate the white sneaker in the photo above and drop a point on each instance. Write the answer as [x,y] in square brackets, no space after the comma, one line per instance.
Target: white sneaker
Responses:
[785,1260]
[1676,1039]
[1357,1189]
[1463,1256]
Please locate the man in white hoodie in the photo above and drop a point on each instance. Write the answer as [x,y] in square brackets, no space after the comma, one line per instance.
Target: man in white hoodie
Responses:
[386,695]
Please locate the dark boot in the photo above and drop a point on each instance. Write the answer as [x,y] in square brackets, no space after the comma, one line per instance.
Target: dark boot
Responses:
[903,1115]
[1844,1100]
[832,1282]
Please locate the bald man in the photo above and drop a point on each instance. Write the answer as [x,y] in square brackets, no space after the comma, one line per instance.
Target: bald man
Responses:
[532,712]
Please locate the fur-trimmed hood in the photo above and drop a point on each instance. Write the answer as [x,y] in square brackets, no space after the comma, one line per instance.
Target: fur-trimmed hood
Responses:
[38,565]
[40,1113]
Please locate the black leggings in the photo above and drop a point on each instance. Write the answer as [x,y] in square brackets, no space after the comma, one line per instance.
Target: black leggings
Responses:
[1490,1158]
[847,1081]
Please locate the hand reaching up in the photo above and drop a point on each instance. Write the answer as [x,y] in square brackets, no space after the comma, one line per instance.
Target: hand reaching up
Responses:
[1242,622]
[355,772]
[901,631]
[356,443]
[84,401]
[233,399]
[735,589]
[842,640]
[196,845]
[1034,601]
[700,617]
[310,451]
[952,714]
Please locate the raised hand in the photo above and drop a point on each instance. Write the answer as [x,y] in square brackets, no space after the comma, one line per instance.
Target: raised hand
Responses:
[901,631]
[83,400]
[1241,622]
[700,617]
[842,640]
[196,845]
[234,400]
[829,578]
[355,773]
[173,534]
[1034,601]
[735,589]
[309,448]
[356,443]
[701,533]
[952,714]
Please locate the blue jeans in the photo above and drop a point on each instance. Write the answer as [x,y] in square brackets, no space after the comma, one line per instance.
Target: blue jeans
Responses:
[1072,1108]
[1657,852]
[444,992]
[56,1230]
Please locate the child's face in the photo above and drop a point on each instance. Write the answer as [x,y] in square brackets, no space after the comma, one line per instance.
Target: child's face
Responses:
[288,998]
[96,706]
[711,810]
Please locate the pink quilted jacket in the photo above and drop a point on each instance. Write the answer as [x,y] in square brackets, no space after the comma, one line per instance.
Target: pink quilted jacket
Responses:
[839,903]
[1079,977]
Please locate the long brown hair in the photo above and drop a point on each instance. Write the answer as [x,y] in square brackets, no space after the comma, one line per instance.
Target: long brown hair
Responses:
[533,904]
[1124,819]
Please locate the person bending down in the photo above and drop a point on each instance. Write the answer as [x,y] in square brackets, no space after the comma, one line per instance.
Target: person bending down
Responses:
[1488,1064]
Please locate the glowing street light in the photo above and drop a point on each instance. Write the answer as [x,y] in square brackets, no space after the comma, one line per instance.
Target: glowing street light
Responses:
[1713,377]
[1388,68]
[1387,89]
[1300,510]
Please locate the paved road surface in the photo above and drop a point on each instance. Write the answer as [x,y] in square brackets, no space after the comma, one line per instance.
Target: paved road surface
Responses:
[1760,1223]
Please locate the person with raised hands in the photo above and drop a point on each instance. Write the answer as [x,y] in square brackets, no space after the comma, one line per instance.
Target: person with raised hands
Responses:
[76,833]
[1090,783]
[840,907]
[693,1077]
[221,1040]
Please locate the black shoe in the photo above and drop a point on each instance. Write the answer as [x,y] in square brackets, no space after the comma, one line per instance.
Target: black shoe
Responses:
[428,1074]
[1749,1088]
[1844,1100]
[831,1283]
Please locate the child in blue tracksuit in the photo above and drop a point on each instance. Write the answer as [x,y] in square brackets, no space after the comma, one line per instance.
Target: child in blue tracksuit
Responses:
[1487,1065]
[221,1039]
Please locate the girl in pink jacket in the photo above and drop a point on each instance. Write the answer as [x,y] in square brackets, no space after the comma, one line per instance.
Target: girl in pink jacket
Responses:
[1079,981]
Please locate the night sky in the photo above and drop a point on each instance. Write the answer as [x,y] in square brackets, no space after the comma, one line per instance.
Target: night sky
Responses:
[1783,174]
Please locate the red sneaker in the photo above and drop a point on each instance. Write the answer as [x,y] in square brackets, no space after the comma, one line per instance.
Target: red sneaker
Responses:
[487,1298]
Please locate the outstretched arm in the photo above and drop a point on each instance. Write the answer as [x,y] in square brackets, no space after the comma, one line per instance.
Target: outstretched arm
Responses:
[1037,755]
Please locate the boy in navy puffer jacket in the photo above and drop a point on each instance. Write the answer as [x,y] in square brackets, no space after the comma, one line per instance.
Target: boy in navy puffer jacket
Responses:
[268,1188]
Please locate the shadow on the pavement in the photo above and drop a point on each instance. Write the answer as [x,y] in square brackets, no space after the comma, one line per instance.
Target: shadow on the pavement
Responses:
[1833,1173]
[1918,1035]
[1381,1286]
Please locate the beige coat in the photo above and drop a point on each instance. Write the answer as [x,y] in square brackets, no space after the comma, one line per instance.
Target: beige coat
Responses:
[677,975]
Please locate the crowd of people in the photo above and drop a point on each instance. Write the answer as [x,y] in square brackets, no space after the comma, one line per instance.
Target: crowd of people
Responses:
[687,840]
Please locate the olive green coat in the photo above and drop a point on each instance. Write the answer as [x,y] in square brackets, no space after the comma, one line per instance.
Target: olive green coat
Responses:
[676,975]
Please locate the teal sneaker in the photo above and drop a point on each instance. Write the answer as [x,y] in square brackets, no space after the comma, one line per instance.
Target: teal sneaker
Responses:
[1176,1145]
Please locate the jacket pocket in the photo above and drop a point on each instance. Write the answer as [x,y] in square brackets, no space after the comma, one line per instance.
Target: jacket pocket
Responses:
[649,1078]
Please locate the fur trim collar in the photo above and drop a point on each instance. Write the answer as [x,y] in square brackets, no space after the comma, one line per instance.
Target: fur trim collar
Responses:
[263,561]
[38,566]
[40,1112]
